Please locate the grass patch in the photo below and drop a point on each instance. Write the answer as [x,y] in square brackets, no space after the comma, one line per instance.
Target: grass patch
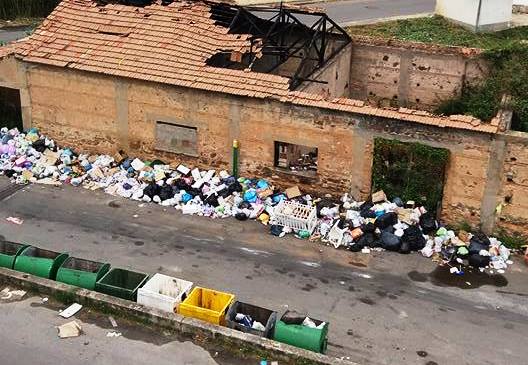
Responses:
[506,51]
[438,30]
[513,241]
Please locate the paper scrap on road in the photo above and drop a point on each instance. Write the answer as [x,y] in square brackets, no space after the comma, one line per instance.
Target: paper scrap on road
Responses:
[70,329]
[15,220]
[7,294]
[71,310]
[113,334]
[112,321]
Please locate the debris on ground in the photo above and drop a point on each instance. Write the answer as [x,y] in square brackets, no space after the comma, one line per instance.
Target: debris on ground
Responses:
[71,310]
[113,334]
[70,329]
[368,226]
[7,294]
[112,321]
[15,220]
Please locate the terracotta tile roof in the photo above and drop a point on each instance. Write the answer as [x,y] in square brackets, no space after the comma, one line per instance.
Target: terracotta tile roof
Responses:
[170,45]
[166,44]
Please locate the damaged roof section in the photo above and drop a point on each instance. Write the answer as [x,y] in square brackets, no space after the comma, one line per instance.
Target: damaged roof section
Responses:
[289,41]
[168,44]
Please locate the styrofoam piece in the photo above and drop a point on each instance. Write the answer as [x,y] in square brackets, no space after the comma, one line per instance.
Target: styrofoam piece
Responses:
[196,174]
[137,164]
[164,292]
[295,215]
[184,170]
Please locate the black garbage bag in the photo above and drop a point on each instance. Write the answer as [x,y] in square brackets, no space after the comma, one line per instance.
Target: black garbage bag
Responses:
[241,216]
[367,239]
[323,203]
[224,193]
[157,162]
[368,228]
[244,205]
[413,237]
[182,185]
[234,187]
[275,229]
[356,247]
[398,201]
[475,260]
[405,247]
[9,173]
[212,200]
[166,192]
[386,220]
[293,317]
[390,241]
[365,210]
[481,239]
[152,190]
[342,223]
[39,145]
[428,223]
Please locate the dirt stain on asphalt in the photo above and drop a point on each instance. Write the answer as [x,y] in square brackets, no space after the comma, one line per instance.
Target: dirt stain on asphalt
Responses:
[422,353]
[308,287]
[441,276]
[367,300]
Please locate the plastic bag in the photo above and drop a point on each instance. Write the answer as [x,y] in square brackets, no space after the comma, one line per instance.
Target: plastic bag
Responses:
[386,220]
[390,241]
[428,223]
[413,237]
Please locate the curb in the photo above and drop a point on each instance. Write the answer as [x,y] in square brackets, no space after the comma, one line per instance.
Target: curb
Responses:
[246,345]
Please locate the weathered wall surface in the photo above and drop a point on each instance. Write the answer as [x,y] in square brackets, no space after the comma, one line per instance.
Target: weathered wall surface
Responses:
[98,113]
[75,108]
[513,194]
[335,75]
[13,75]
[410,75]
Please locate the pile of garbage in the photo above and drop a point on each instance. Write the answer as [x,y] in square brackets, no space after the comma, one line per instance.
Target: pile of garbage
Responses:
[246,321]
[376,224]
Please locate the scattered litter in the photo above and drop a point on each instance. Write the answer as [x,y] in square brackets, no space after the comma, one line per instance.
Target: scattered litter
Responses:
[71,310]
[373,225]
[112,321]
[7,294]
[70,329]
[113,334]
[44,300]
[15,220]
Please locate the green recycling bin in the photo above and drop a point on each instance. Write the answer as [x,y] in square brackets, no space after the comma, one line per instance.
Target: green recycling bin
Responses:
[298,335]
[121,283]
[39,262]
[81,272]
[8,253]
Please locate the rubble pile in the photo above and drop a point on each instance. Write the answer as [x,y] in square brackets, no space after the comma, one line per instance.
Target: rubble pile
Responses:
[376,224]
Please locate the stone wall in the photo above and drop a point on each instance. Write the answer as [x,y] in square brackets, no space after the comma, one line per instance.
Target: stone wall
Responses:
[414,75]
[100,113]
[335,77]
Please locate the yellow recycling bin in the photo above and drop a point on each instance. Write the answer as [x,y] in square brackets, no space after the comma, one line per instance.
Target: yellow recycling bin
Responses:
[206,304]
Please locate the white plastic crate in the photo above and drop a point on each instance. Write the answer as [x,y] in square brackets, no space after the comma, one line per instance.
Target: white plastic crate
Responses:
[295,215]
[164,292]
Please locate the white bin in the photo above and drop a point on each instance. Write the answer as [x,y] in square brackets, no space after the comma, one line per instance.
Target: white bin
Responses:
[164,292]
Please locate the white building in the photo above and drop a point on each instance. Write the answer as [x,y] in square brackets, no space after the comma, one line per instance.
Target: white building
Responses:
[478,15]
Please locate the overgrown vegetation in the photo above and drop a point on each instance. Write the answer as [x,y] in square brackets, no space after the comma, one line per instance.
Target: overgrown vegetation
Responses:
[14,9]
[411,171]
[506,51]
[514,241]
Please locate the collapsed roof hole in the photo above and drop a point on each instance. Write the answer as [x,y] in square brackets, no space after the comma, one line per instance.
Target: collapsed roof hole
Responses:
[288,42]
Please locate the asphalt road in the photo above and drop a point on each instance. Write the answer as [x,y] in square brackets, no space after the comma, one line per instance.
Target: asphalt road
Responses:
[29,336]
[383,308]
[12,34]
[360,10]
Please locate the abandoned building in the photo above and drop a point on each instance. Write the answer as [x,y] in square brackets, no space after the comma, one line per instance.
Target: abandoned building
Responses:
[181,80]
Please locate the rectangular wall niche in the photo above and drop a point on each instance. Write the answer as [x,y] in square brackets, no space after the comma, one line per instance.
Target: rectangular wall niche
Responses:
[176,138]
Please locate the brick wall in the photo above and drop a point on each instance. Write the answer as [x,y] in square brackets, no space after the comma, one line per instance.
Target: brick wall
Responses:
[100,113]
[407,74]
